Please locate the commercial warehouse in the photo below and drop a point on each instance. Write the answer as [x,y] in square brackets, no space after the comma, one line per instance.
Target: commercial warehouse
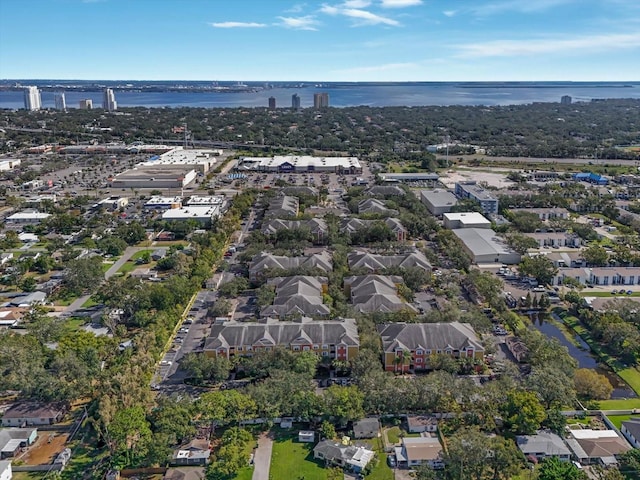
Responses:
[300,164]
[156,177]
[485,246]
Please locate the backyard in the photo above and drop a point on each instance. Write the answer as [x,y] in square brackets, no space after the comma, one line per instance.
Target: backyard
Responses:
[618,419]
[290,457]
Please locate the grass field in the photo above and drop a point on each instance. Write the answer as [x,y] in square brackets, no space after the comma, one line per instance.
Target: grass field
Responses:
[91,302]
[291,459]
[618,419]
[622,404]
[245,473]
[73,324]
[587,293]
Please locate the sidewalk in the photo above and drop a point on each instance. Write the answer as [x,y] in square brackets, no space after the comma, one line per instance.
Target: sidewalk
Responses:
[262,457]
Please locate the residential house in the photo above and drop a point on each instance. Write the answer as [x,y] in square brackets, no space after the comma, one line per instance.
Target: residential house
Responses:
[408,346]
[144,273]
[348,457]
[555,239]
[317,227]
[416,451]
[14,440]
[596,446]
[544,444]
[283,206]
[366,428]
[422,423]
[10,317]
[298,296]
[5,470]
[194,453]
[604,276]
[158,254]
[33,413]
[185,473]
[28,299]
[376,263]
[5,257]
[375,206]
[631,430]
[385,191]
[376,293]
[545,214]
[264,262]
[351,225]
[298,190]
[335,339]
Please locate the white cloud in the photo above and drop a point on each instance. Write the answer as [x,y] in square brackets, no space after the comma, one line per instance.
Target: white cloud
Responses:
[307,22]
[297,8]
[379,68]
[237,25]
[400,3]
[449,13]
[510,48]
[359,16]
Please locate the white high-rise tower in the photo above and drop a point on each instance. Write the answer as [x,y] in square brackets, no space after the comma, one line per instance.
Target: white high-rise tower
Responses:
[60,101]
[32,100]
[109,100]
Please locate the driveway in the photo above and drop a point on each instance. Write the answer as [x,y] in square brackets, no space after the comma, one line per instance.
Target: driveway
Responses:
[262,457]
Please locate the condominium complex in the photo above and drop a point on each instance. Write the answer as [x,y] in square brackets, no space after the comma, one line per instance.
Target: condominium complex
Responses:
[32,99]
[295,101]
[60,101]
[320,100]
[86,104]
[109,100]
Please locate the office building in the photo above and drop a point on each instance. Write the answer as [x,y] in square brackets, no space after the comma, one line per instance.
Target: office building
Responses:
[86,104]
[295,101]
[109,101]
[60,101]
[469,190]
[565,100]
[272,103]
[32,99]
[320,100]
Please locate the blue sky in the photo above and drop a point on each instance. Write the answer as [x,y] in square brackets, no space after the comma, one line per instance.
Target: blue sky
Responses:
[347,40]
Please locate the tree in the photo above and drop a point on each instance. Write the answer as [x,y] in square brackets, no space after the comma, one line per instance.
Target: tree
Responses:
[522,412]
[83,274]
[128,434]
[506,459]
[220,308]
[226,406]
[467,454]
[552,385]
[595,255]
[592,385]
[538,267]
[202,368]
[554,469]
[327,430]
[344,403]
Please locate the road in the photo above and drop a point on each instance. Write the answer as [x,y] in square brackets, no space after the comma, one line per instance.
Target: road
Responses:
[128,253]
[262,457]
[550,161]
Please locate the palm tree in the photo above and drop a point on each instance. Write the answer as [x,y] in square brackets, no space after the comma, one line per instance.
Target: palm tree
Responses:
[402,358]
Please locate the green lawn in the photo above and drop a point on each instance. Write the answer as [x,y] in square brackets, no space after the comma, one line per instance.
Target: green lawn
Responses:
[245,473]
[625,404]
[73,324]
[618,419]
[588,293]
[128,266]
[393,434]
[140,254]
[292,459]
[91,302]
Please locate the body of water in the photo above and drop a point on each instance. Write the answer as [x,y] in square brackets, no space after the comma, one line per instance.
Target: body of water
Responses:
[437,94]
[584,358]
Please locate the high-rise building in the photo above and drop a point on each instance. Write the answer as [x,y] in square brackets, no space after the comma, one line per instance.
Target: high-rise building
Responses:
[320,100]
[565,100]
[272,103]
[32,99]
[86,104]
[60,101]
[295,101]
[109,101]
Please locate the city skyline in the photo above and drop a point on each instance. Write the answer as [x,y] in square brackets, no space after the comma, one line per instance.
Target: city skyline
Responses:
[348,40]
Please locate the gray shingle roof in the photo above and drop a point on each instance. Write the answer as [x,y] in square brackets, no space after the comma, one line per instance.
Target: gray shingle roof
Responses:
[375,262]
[262,261]
[297,295]
[373,205]
[376,293]
[276,333]
[544,442]
[428,336]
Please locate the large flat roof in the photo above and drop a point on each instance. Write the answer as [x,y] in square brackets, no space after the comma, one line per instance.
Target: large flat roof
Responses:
[149,172]
[466,217]
[302,161]
[191,212]
[439,197]
[482,241]
[409,176]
